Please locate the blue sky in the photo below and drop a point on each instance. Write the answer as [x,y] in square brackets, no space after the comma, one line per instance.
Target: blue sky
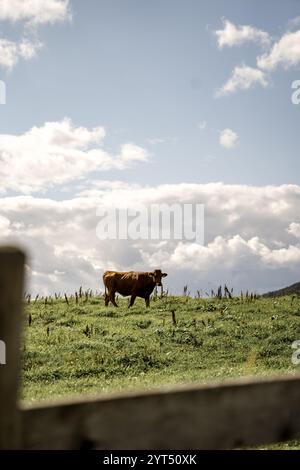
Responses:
[149,70]
[146,74]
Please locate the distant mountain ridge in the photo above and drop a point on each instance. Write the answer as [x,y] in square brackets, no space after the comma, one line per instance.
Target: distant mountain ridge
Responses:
[293,289]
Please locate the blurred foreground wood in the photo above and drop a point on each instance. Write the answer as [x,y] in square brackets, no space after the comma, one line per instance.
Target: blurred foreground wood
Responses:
[11,291]
[239,414]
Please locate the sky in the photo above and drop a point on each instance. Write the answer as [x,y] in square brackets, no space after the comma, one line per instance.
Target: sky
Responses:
[110,102]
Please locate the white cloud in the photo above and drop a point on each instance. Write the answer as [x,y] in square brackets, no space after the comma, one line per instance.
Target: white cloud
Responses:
[228,138]
[11,52]
[294,22]
[294,229]
[243,78]
[247,245]
[232,35]
[35,12]
[8,53]
[29,49]
[31,14]
[56,153]
[285,52]
[4,226]
[232,252]
[132,153]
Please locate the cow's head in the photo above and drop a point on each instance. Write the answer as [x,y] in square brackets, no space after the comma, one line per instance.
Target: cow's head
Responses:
[158,275]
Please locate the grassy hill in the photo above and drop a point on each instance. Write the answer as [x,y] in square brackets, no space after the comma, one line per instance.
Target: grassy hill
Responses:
[86,348]
[294,289]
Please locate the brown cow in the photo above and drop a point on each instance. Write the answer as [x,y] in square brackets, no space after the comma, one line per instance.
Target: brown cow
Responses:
[135,284]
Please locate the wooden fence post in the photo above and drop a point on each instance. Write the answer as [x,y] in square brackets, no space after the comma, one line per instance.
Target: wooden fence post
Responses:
[11,291]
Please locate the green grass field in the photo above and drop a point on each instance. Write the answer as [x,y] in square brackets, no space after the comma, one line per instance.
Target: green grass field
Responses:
[88,348]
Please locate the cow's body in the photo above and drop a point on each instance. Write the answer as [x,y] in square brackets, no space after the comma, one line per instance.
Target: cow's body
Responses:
[135,284]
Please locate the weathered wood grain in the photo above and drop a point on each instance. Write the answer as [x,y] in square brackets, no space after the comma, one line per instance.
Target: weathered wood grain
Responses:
[11,290]
[244,413]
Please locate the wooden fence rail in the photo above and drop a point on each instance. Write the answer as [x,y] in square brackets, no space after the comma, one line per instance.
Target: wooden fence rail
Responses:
[217,416]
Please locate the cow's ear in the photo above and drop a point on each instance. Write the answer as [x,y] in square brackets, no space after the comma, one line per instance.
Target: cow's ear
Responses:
[164,275]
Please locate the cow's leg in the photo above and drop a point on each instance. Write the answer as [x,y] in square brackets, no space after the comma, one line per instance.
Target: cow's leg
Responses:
[132,299]
[147,300]
[106,295]
[113,299]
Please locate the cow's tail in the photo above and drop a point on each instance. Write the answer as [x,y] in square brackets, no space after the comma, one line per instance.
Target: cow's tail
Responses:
[105,288]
